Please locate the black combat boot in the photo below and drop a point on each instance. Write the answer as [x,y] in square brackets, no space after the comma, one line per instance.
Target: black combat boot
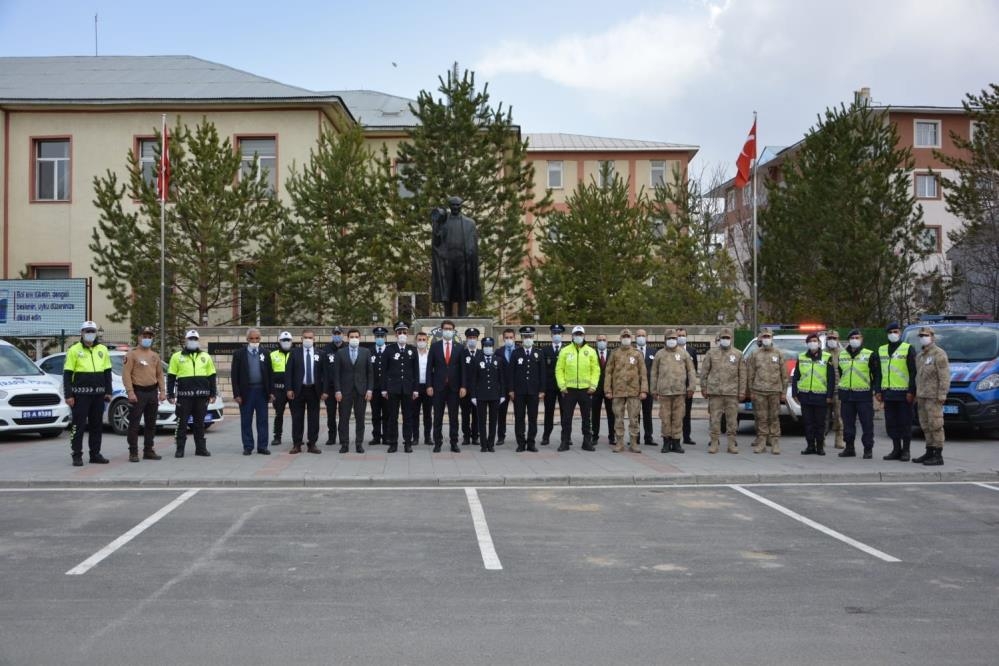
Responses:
[77,460]
[133,453]
[849,451]
[936,457]
[820,447]
[904,455]
[923,458]
[676,447]
[809,448]
[896,451]
[868,453]
[667,445]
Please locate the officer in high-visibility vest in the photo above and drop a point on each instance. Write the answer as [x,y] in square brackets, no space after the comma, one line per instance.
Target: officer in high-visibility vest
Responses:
[279,361]
[859,373]
[812,386]
[191,385]
[86,381]
[897,390]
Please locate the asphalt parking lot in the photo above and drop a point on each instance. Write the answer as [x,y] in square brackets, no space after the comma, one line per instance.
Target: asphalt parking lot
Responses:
[756,574]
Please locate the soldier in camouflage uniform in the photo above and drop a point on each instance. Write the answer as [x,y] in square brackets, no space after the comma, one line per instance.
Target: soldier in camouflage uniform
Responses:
[932,384]
[766,382]
[626,383]
[833,347]
[722,379]
[672,373]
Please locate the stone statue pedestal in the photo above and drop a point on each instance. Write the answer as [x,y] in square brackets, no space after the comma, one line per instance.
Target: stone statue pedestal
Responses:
[486,326]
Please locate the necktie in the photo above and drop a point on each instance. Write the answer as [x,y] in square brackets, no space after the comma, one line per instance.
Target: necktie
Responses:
[447,353]
[308,367]
[353,356]
[603,359]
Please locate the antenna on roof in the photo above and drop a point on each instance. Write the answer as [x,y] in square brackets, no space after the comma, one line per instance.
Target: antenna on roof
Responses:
[95,33]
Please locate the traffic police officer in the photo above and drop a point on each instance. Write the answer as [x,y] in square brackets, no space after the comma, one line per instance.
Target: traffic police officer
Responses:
[483,379]
[673,377]
[577,373]
[552,395]
[399,388]
[191,385]
[626,385]
[766,382]
[722,379]
[932,384]
[86,382]
[279,391]
[378,403]
[526,383]
[859,371]
[897,390]
[812,386]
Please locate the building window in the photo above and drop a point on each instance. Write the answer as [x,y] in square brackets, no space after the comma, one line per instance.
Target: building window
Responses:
[927,134]
[933,238]
[264,149]
[48,272]
[927,186]
[255,307]
[658,168]
[52,170]
[147,160]
[605,172]
[400,170]
[747,195]
[555,175]
[730,200]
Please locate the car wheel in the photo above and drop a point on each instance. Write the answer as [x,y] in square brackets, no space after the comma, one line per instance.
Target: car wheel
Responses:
[119,411]
[50,432]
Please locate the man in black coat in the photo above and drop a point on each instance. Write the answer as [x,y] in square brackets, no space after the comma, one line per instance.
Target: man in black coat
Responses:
[378,403]
[642,345]
[329,351]
[444,384]
[304,382]
[251,382]
[399,388]
[483,379]
[681,341]
[352,385]
[552,395]
[469,413]
[526,381]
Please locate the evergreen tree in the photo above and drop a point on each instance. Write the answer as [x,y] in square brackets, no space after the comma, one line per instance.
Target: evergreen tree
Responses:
[842,235]
[340,203]
[464,147]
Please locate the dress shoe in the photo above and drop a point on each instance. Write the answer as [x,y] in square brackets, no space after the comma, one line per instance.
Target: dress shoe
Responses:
[521,448]
[276,441]
[264,452]
[98,459]
[344,448]
[375,442]
[331,441]
[77,461]
[689,442]
[563,446]
[295,448]
[359,449]
[247,452]
[179,453]
[313,449]
[393,448]
[500,441]
[437,448]
[588,446]
[204,453]
[531,448]
[868,454]
[427,442]
[407,448]
[544,442]
[455,448]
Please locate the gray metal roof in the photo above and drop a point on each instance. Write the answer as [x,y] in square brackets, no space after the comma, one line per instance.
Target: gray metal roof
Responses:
[112,79]
[580,142]
[378,110]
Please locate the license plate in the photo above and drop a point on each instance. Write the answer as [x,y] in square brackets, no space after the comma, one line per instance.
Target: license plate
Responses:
[747,405]
[950,409]
[36,413]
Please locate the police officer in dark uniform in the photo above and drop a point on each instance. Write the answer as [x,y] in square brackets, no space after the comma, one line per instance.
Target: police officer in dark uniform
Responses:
[469,414]
[399,388]
[378,403]
[552,394]
[484,380]
[329,361]
[526,380]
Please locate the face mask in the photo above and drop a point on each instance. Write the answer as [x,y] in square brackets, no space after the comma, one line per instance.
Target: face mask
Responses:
[855,343]
[285,345]
[448,334]
[421,344]
[89,337]
[767,341]
[556,339]
[472,344]
[338,339]
[625,342]
[893,337]
[813,345]
[671,343]
[925,340]
[640,340]
[508,344]
[725,343]
[601,345]
[832,343]
[488,351]
[307,344]
[578,339]
[354,343]
[681,340]
[192,345]
[402,337]
[379,342]
[146,343]
[253,347]
[528,343]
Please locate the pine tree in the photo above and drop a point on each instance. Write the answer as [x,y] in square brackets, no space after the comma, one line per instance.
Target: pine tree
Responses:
[842,235]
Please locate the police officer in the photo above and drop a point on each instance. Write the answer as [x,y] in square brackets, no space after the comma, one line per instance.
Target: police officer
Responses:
[469,413]
[399,388]
[378,403]
[329,354]
[505,353]
[681,342]
[577,372]
[812,386]
[897,390]
[553,396]
[279,391]
[834,349]
[673,377]
[626,385]
[649,354]
[766,383]
[142,375]
[191,385]
[722,382]
[86,381]
[484,381]
[859,371]
[932,384]
[526,382]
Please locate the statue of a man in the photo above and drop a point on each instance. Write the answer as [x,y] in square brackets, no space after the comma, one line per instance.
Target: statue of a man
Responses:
[455,260]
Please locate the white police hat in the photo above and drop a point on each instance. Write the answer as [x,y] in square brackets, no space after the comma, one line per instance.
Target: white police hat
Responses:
[192,334]
[285,335]
[88,326]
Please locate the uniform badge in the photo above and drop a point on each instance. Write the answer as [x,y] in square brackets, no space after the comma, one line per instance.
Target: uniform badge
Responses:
[676,356]
[929,361]
[261,357]
[520,361]
[570,356]
[482,364]
[774,359]
[631,359]
[731,359]
[328,356]
[409,352]
[315,358]
[100,354]
[395,357]
[142,362]
[79,354]
[468,359]
[535,355]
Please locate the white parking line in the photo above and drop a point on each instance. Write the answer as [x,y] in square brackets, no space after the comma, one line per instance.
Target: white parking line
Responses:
[985,485]
[818,526]
[95,559]
[489,557]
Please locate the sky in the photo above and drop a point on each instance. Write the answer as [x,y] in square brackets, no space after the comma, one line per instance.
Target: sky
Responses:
[681,71]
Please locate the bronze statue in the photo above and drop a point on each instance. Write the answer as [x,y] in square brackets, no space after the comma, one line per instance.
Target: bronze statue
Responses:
[455,260]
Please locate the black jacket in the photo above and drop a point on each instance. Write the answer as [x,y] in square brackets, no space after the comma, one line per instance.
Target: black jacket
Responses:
[295,371]
[240,371]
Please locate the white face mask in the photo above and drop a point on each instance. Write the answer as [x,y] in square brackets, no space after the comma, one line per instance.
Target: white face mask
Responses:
[725,343]
[767,341]
[671,343]
[625,342]
[253,347]
[832,343]
[681,339]
[307,344]
[925,340]
[488,351]
[855,343]
[89,337]
[601,345]
[640,340]
[402,338]
[285,345]
[577,339]
[509,343]
[354,342]
[894,337]
[813,345]
[379,342]
[448,334]
[472,344]
[421,344]
[528,343]
[192,345]
[556,339]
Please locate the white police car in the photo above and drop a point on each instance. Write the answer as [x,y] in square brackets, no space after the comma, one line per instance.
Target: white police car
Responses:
[116,415]
[30,400]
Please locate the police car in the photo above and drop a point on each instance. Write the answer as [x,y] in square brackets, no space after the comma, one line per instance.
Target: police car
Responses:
[972,346]
[30,400]
[791,342]
[116,414]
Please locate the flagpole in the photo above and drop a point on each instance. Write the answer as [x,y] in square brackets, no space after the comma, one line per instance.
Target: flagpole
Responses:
[163,187]
[756,283]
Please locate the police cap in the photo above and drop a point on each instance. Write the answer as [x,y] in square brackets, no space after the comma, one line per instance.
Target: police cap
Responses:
[557,328]
[380,330]
[471,333]
[526,330]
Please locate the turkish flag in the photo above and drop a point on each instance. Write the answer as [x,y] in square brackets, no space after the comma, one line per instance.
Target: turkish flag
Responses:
[745,160]
[163,180]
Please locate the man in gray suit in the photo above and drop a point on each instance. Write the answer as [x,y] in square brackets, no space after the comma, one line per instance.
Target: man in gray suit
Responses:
[351,383]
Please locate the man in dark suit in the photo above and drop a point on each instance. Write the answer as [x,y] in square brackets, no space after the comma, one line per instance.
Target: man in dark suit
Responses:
[304,384]
[526,382]
[251,381]
[681,341]
[351,384]
[329,351]
[642,345]
[444,383]
[377,401]
[469,413]
[505,353]
[598,399]
[552,395]
[398,387]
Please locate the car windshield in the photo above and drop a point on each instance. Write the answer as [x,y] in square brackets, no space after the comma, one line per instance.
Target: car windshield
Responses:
[963,344]
[14,362]
[117,363]
[790,347]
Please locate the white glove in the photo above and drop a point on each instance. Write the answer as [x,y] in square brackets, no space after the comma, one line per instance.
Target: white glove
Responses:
[475,402]
[502,400]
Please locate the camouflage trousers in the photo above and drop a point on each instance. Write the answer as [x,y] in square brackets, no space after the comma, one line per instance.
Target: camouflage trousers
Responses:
[633,407]
[766,413]
[671,410]
[837,421]
[719,406]
[931,420]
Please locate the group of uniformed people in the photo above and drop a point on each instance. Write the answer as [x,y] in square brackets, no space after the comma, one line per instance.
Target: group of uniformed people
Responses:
[398,378]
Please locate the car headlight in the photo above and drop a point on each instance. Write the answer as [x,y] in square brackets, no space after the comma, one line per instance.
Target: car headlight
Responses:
[987,384]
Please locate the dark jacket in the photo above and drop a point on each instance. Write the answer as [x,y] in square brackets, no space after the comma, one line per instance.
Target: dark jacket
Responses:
[402,369]
[550,356]
[346,376]
[484,377]
[240,371]
[441,374]
[526,374]
[295,371]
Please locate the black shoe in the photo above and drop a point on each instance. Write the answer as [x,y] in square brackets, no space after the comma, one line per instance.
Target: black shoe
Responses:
[936,458]
[820,449]
[676,447]
[483,449]
[868,454]
[544,442]
[407,448]
[500,441]
[179,453]
[649,442]
[531,448]
[455,448]
[690,442]
[809,449]
[393,448]
[98,459]
[564,446]
[374,442]
[78,461]
[263,452]
[359,449]
[896,453]
[427,442]
[276,441]
[521,448]
[850,452]
[247,452]
[923,458]
[904,455]
[331,441]
[204,453]
[344,448]
[589,447]
[667,445]
[437,448]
